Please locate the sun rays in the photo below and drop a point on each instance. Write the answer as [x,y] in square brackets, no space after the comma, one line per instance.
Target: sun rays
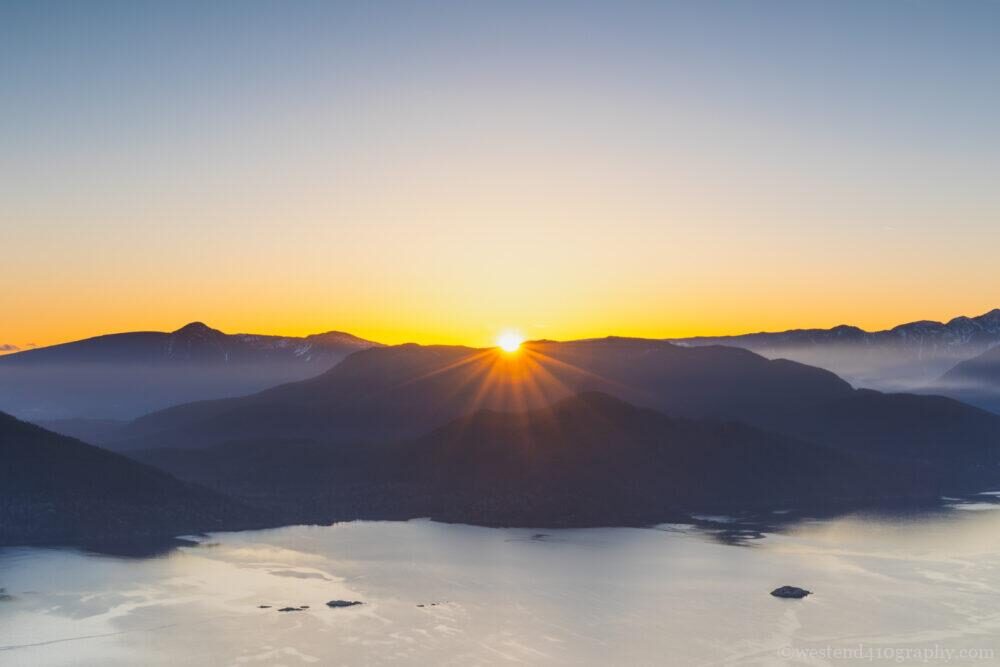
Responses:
[527,378]
[510,341]
[532,377]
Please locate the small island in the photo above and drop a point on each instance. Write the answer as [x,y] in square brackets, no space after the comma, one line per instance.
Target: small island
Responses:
[790,592]
[337,604]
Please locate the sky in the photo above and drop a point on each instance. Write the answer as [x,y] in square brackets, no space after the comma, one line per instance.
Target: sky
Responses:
[440,172]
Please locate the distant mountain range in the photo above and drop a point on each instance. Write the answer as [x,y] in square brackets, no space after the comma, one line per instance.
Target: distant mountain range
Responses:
[57,490]
[75,387]
[909,356]
[121,376]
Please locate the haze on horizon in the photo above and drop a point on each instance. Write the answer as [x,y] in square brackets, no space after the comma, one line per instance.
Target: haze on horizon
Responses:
[441,172]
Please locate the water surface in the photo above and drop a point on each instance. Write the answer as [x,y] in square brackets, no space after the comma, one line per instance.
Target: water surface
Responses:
[462,595]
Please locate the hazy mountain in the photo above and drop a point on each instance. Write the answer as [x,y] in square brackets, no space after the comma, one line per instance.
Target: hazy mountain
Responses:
[904,357]
[982,369]
[57,490]
[589,459]
[124,375]
[394,393]
[976,380]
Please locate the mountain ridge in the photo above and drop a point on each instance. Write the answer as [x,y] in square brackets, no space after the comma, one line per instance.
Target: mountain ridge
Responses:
[987,324]
[163,344]
[124,375]
[410,388]
[399,392]
[904,357]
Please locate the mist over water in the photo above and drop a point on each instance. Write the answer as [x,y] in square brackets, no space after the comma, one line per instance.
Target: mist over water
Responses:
[674,594]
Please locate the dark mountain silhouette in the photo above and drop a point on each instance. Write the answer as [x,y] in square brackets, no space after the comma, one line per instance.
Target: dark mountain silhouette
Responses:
[57,490]
[594,459]
[403,391]
[394,393]
[124,375]
[904,357]
[931,429]
[596,432]
[589,459]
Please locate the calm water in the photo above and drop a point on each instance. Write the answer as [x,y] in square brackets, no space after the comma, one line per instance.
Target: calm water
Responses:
[672,595]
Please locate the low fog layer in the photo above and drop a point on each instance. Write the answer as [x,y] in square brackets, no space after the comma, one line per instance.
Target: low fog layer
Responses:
[108,391]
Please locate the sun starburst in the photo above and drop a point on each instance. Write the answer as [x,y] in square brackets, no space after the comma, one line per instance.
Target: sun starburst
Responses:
[510,341]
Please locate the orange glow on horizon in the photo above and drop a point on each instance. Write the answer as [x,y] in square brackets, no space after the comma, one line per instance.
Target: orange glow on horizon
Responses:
[41,327]
[510,341]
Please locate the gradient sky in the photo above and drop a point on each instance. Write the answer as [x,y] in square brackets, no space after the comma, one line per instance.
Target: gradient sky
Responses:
[439,172]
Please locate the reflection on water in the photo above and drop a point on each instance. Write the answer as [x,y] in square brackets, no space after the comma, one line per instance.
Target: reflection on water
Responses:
[451,594]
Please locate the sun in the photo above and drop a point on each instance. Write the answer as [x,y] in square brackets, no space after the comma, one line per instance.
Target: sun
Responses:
[510,341]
